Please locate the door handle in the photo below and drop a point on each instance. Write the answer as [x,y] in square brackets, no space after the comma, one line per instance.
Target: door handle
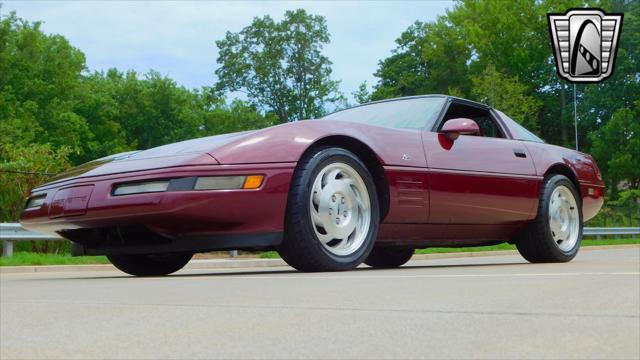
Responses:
[519,153]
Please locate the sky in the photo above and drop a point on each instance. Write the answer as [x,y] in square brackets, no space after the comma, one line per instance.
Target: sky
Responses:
[177,38]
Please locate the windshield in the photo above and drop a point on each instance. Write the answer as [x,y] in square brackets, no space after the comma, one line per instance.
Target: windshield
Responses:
[415,113]
[519,131]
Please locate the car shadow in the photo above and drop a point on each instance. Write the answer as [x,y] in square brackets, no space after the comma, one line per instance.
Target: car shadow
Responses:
[260,271]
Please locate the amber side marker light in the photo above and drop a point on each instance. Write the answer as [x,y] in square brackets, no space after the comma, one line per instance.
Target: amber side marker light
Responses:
[243,182]
[253,182]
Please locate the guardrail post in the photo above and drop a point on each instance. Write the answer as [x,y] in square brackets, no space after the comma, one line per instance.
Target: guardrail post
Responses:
[7,248]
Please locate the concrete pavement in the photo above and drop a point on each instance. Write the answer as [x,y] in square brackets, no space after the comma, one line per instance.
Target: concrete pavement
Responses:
[474,307]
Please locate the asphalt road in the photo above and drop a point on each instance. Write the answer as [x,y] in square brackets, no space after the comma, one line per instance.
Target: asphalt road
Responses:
[486,307]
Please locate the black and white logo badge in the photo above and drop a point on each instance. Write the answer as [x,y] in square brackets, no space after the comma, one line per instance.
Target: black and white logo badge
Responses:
[585,43]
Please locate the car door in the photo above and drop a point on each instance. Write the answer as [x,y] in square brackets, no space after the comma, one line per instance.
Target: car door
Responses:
[480,179]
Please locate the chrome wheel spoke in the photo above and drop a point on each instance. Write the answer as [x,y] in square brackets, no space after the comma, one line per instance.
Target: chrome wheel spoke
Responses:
[564,218]
[317,189]
[324,238]
[330,176]
[315,217]
[339,208]
[362,205]
[555,229]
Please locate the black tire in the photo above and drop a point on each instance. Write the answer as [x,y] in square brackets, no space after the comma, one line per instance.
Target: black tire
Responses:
[151,264]
[389,257]
[300,247]
[536,242]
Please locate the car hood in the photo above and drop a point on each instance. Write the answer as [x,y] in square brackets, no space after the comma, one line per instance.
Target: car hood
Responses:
[194,146]
[189,152]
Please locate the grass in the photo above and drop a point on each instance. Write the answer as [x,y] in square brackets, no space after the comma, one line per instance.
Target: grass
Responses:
[269,255]
[585,242]
[28,258]
[21,258]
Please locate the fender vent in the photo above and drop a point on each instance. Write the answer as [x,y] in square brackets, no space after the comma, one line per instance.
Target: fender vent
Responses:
[411,191]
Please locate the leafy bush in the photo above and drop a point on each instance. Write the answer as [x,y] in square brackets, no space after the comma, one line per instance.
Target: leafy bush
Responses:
[623,211]
[21,169]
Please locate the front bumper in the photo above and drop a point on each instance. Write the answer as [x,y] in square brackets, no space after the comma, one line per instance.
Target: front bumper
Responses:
[89,203]
[592,199]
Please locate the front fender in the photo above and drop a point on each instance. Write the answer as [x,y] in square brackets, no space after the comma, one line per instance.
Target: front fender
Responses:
[287,143]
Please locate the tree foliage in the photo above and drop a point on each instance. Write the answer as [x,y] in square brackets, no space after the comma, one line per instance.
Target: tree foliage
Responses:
[47,96]
[362,95]
[39,86]
[22,168]
[429,58]
[617,146]
[279,65]
[507,94]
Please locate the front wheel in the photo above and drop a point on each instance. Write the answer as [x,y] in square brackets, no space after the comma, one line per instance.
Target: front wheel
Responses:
[556,233]
[150,264]
[332,213]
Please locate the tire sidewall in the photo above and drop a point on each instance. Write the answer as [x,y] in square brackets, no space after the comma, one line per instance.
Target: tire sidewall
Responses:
[550,186]
[321,159]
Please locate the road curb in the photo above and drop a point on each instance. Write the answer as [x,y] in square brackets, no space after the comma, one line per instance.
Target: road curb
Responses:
[193,264]
[253,263]
[508,252]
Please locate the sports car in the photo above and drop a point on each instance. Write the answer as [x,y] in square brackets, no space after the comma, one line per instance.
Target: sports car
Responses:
[366,184]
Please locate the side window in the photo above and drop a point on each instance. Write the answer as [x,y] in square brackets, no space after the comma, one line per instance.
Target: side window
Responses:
[486,123]
[488,127]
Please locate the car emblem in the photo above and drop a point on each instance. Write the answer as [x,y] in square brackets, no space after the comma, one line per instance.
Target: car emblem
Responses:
[406,157]
[585,43]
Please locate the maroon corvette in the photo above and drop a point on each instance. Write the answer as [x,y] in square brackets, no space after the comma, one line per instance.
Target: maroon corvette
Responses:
[367,184]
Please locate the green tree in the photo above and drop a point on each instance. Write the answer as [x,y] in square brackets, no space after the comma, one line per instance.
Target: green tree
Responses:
[279,65]
[362,95]
[598,102]
[616,147]
[429,58]
[21,169]
[238,116]
[154,110]
[99,104]
[507,94]
[511,35]
[39,85]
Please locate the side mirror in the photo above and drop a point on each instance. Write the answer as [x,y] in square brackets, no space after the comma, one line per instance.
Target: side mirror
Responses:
[453,128]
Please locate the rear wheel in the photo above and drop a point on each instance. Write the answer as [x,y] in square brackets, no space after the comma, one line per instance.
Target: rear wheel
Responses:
[556,233]
[150,264]
[332,213]
[389,257]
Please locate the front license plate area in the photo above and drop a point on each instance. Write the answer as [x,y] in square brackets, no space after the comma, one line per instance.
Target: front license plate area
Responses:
[71,201]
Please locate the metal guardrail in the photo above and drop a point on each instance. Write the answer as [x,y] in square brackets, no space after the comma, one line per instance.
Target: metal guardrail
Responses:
[12,232]
[600,231]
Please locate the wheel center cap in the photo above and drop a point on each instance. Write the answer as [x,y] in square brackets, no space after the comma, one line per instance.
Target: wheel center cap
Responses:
[340,209]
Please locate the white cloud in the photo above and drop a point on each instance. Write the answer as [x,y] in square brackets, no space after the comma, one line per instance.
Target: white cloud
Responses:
[177,38]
